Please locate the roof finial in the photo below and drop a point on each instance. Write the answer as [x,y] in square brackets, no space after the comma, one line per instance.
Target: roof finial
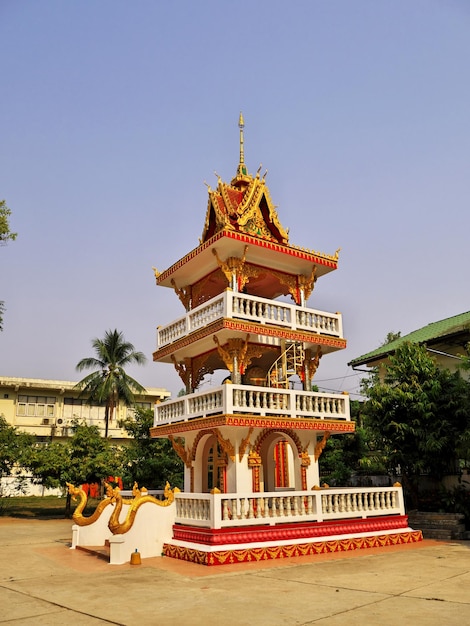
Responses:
[241,165]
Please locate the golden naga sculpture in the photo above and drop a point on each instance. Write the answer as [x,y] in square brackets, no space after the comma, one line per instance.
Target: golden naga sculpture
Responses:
[113,496]
[77,516]
[140,497]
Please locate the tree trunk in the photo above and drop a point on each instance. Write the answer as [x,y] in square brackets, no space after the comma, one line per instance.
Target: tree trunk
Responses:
[106,420]
[68,506]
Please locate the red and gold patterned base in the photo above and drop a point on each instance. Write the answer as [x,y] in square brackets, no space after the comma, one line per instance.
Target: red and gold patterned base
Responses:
[246,555]
[289,532]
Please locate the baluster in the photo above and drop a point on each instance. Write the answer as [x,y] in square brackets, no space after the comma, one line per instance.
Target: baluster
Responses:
[342,506]
[257,399]
[359,506]
[260,511]
[297,510]
[354,502]
[251,512]
[225,511]
[308,500]
[287,506]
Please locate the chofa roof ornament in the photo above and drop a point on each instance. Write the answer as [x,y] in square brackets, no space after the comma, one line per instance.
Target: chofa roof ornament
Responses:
[244,205]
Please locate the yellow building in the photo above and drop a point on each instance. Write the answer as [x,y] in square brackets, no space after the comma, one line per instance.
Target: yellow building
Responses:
[47,408]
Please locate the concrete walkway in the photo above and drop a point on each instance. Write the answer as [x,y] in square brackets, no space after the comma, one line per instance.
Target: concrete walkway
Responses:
[42,581]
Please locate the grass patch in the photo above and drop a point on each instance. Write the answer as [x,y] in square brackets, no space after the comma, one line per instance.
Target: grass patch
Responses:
[40,507]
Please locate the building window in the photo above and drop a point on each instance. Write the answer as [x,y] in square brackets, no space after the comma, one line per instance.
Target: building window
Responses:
[140,405]
[36,406]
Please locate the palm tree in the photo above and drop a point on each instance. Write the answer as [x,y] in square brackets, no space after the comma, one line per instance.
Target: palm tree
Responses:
[110,383]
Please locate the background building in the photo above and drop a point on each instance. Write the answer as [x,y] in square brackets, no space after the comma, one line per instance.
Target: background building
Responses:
[446,340]
[47,408]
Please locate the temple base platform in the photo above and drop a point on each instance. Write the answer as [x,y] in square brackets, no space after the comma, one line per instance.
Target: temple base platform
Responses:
[260,543]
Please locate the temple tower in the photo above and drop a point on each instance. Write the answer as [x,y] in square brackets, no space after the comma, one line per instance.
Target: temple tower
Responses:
[244,290]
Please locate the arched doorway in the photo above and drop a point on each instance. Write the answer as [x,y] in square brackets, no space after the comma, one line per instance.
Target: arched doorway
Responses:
[279,463]
[214,464]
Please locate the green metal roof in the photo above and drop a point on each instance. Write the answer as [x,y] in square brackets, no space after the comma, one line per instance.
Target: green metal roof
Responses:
[432,333]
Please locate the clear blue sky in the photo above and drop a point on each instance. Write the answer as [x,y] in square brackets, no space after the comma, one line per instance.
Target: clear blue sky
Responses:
[113,113]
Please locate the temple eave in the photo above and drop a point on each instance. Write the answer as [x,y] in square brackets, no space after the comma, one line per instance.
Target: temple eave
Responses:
[281,256]
[252,421]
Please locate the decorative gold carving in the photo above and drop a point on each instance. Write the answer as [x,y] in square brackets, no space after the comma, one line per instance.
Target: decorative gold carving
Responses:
[184,370]
[226,445]
[77,516]
[200,291]
[114,497]
[248,271]
[287,431]
[307,283]
[244,444]
[236,351]
[312,363]
[141,497]
[200,369]
[183,453]
[320,445]
[183,293]
[156,273]
[231,267]
[254,459]
[290,282]
[305,458]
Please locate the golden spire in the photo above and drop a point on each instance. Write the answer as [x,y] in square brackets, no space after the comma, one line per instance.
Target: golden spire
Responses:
[241,171]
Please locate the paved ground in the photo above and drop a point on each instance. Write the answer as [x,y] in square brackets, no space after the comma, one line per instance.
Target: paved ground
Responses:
[42,581]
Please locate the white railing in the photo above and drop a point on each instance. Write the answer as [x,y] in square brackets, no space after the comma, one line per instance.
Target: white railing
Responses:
[232,305]
[226,510]
[247,399]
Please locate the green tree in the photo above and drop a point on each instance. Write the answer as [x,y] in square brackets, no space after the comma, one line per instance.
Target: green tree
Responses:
[5,236]
[5,232]
[109,383]
[149,462]
[391,336]
[417,415]
[14,448]
[85,458]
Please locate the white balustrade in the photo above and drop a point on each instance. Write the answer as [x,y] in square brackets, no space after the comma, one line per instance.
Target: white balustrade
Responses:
[231,305]
[249,399]
[226,510]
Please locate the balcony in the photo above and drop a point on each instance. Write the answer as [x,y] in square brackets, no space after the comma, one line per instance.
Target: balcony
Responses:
[231,399]
[218,511]
[234,305]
